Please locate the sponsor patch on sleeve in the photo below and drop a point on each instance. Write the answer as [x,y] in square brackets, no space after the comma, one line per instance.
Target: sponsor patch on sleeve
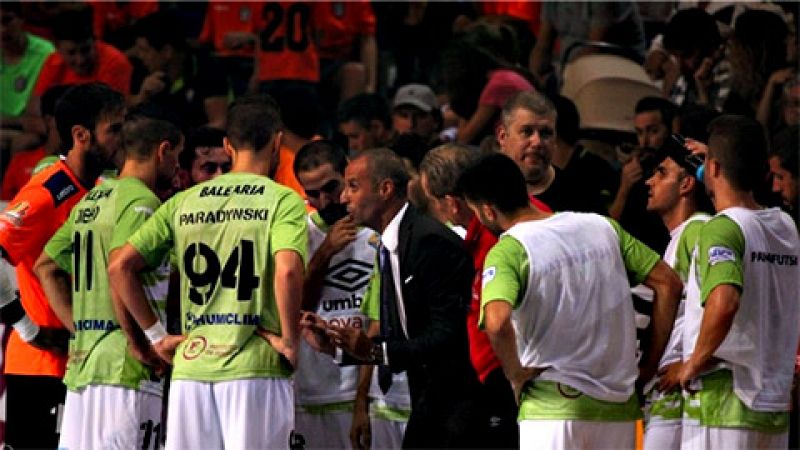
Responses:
[143,210]
[488,275]
[717,255]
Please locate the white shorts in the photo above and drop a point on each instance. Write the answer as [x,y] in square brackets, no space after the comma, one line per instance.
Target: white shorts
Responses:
[660,434]
[110,417]
[699,437]
[237,414]
[326,430]
[584,434]
[387,434]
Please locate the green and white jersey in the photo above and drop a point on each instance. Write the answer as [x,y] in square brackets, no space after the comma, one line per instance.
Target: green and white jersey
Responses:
[566,278]
[225,234]
[756,251]
[318,379]
[679,255]
[101,222]
[395,404]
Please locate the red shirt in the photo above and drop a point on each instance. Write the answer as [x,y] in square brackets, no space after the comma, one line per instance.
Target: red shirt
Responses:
[224,17]
[112,68]
[29,221]
[478,241]
[339,24]
[19,171]
[110,15]
[287,49]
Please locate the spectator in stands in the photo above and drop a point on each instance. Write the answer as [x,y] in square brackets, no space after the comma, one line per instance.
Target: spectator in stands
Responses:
[616,23]
[415,110]
[756,49]
[184,81]
[365,121]
[783,167]
[787,83]
[348,50]
[479,78]
[203,157]
[26,163]
[229,28]
[79,58]
[114,20]
[527,136]
[653,120]
[23,56]
[577,163]
[702,76]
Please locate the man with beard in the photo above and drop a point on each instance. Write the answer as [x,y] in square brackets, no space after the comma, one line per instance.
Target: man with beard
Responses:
[89,119]
[527,135]
[114,395]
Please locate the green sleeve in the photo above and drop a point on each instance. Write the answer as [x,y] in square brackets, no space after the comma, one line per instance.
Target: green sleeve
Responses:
[505,273]
[59,248]
[371,303]
[155,237]
[131,218]
[719,255]
[686,244]
[290,227]
[639,259]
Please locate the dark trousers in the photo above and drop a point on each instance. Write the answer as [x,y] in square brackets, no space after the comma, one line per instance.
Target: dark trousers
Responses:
[500,412]
[33,406]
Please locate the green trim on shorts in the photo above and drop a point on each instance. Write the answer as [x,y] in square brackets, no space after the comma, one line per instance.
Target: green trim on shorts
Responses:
[550,400]
[665,406]
[716,405]
[327,408]
[380,410]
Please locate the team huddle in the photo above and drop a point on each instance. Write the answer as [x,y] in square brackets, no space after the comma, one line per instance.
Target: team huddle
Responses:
[354,320]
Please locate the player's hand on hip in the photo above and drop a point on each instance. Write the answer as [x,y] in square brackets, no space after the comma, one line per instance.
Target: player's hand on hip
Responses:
[520,379]
[55,340]
[145,354]
[281,345]
[314,331]
[165,348]
[669,377]
[687,375]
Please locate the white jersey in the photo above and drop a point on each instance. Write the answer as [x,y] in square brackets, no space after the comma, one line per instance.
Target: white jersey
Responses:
[674,350]
[761,344]
[318,379]
[576,317]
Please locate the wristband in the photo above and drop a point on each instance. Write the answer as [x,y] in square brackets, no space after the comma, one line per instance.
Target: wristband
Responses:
[156,332]
[26,328]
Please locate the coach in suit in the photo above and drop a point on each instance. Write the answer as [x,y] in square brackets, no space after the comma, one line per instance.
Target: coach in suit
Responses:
[423,318]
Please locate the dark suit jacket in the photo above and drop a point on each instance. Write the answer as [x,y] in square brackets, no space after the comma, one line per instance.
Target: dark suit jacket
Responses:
[436,275]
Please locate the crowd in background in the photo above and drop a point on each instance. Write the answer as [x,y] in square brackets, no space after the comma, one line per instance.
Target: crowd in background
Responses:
[625,81]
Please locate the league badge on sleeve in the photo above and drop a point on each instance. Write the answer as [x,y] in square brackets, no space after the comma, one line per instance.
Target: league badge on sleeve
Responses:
[488,275]
[718,254]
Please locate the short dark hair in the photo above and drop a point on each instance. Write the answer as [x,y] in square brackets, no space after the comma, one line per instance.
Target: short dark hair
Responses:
[85,105]
[384,164]
[204,136]
[144,128]
[75,25]
[252,122]
[694,120]
[316,153]
[692,30]
[363,109]
[739,143]
[410,146]
[662,105]
[784,147]
[161,28]
[495,180]
[443,166]
[568,125]
[51,96]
